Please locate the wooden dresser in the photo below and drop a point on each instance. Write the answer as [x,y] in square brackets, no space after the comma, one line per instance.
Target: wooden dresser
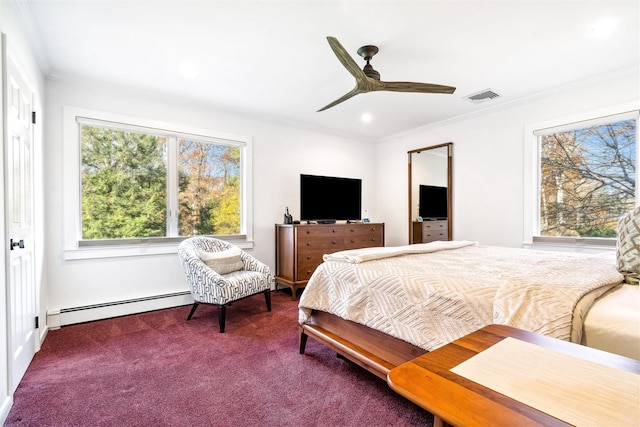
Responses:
[299,247]
[429,231]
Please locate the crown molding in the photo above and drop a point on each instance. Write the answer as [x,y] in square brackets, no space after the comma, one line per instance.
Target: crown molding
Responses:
[223,109]
[512,103]
[28,26]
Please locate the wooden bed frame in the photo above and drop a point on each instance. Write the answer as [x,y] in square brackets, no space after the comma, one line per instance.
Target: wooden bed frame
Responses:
[373,350]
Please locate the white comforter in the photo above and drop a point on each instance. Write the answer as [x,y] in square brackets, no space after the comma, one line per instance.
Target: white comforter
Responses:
[449,289]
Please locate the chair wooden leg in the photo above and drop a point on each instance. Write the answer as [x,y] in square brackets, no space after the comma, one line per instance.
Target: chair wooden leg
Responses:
[222,311]
[267,298]
[193,309]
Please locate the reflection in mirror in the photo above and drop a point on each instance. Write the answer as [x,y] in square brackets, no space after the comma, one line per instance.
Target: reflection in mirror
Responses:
[430,191]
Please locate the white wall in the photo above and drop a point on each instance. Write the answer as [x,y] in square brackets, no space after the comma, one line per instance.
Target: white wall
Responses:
[488,160]
[280,154]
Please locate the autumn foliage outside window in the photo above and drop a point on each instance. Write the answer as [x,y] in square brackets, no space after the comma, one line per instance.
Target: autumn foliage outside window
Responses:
[209,188]
[127,186]
[587,178]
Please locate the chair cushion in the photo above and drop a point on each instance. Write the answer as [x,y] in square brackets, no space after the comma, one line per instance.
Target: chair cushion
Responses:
[223,262]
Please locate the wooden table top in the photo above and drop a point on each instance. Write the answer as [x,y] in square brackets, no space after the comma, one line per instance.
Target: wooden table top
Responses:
[428,382]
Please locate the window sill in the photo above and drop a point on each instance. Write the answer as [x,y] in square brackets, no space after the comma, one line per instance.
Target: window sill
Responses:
[566,247]
[123,251]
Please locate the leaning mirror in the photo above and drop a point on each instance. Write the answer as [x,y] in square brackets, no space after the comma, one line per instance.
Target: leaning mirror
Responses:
[430,193]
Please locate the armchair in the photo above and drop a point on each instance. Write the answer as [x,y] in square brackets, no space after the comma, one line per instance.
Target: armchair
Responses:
[239,275]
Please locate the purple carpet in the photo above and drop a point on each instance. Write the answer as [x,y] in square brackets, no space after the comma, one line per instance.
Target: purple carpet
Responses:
[157,369]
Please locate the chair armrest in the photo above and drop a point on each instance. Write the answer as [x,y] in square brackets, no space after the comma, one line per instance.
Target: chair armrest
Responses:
[252,264]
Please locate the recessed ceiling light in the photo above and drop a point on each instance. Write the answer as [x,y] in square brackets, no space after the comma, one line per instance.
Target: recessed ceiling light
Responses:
[188,69]
[366,117]
[603,28]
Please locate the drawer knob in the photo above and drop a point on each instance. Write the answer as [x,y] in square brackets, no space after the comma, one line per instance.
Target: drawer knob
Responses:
[308,256]
[353,241]
[308,244]
[333,241]
[308,271]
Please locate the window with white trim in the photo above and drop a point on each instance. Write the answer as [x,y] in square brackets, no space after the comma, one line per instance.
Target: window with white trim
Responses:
[144,183]
[586,179]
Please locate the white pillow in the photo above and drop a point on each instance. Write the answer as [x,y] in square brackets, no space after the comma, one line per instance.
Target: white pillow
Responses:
[222,262]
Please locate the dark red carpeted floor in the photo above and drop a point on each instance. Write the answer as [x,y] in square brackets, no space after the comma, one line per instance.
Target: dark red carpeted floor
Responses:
[157,369]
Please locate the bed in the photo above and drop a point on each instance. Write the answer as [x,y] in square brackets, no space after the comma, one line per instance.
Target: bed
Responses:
[380,307]
[613,322]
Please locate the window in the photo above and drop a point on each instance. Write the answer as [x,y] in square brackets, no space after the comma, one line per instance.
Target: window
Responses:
[123,179]
[586,179]
[209,188]
[143,183]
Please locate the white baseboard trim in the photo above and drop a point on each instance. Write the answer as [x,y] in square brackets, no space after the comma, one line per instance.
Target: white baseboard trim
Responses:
[43,334]
[7,403]
[72,315]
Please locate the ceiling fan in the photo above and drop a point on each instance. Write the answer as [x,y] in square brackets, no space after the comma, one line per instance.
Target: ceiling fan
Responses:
[368,79]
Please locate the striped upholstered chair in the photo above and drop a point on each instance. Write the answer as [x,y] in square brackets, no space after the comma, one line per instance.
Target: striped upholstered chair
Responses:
[219,273]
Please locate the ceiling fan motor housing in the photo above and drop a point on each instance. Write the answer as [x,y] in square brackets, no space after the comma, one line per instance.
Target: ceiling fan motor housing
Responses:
[370,72]
[367,52]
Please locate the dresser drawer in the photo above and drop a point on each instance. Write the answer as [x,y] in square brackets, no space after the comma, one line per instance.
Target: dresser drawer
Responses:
[434,225]
[314,255]
[327,243]
[362,236]
[363,240]
[433,235]
[313,231]
[362,230]
[306,268]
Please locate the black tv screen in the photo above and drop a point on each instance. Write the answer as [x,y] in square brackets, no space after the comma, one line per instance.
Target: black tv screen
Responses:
[326,198]
[433,202]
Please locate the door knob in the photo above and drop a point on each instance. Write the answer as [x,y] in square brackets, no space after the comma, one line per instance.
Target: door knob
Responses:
[19,244]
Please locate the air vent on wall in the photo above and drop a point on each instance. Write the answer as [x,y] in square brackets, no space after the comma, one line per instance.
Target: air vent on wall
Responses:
[483,96]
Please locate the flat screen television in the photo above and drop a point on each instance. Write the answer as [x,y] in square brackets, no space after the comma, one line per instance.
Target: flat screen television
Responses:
[328,199]
[433,202]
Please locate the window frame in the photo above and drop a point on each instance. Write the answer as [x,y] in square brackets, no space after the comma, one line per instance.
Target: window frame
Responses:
[77,248]
[531,171]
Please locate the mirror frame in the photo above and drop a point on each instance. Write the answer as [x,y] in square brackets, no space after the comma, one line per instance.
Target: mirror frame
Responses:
[449,146]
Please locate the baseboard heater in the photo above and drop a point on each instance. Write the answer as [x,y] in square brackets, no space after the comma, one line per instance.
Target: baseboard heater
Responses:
[88,313]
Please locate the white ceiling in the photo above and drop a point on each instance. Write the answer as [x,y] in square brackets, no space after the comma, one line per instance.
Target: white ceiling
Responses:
[271,58]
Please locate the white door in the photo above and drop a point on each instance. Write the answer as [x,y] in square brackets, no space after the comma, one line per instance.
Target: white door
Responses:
[21,298]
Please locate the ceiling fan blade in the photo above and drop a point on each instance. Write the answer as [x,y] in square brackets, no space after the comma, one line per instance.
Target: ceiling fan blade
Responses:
[414,87]
[346,59]
[343,98]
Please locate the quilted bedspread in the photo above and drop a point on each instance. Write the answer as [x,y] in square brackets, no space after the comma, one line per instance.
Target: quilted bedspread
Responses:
[435,296]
